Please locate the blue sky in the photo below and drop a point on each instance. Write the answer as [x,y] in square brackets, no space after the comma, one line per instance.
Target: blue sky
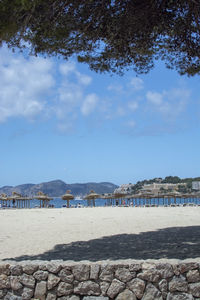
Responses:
[59,120]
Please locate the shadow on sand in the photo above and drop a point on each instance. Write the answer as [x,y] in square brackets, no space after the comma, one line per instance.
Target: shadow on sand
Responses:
[171,243]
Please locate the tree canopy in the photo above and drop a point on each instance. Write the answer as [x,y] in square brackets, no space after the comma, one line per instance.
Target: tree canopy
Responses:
[109,35]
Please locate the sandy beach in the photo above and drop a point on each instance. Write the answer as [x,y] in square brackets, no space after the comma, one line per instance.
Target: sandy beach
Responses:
[103,233]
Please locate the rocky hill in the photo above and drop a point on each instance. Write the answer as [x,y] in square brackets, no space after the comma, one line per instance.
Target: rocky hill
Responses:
[58,187]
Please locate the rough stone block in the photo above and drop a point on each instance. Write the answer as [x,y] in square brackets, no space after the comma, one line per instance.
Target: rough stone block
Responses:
[148,265]
[94,272]
[104,285]
[73,297]
[179,296]
[126,295]
[151,275]
[40,275]
[51,296]
[185,267]
[64,289]
[81,272]
[53,280]
[2,293]
[135,267]
[193,276]
[15,283]
[4,281]
[137,286]
[163,285]
[27,293]
[40,290]
[5,269]
[95,298]
[152,293]
[10,296]
[27,280]
[115,288]
[107,273]
[123,274]
[16,270]
[66,275]
[30,269]
[178,284]
[53,267]
[165,270]
[87,288]
[194,289]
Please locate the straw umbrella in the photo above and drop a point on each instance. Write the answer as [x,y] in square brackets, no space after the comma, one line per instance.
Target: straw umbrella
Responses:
[44,199]
[197,196]
[173,195]
[134,198]
[92,196]
[129,197]
[3,199]
[15,197]
[108,197]
[146,196]
[185,199]
[68,196]
[119,195]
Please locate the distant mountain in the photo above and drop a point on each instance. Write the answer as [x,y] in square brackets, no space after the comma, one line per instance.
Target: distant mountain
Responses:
[58,188]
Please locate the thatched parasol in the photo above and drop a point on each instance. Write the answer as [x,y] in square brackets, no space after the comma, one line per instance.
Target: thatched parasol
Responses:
[92,196]
[68,197]
[135,197]
[147,196]
[119,195]
[3,198]
[44,199]
[109,197]
[15,197]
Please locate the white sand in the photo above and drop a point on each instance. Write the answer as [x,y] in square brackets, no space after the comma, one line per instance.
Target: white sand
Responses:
[35,231]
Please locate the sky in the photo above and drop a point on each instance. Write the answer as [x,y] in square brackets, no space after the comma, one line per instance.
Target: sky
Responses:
[60,120]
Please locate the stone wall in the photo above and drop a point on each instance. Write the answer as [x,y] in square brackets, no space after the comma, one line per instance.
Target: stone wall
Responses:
[134,281]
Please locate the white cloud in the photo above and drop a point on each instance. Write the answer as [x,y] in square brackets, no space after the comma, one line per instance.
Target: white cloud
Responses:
[155,98]
[83,79]
[23,84]
[34,85]
[115,87]
[89,104]
[69,68]
[66,68]
[120,111]
[169,103]
[133,105]
[131,124]
[137,83]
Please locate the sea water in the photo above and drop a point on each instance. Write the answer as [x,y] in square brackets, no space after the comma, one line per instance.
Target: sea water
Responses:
[58,202]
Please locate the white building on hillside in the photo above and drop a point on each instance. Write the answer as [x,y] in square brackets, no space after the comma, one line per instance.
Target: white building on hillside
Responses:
[124,188]
[196,185]
[156,187]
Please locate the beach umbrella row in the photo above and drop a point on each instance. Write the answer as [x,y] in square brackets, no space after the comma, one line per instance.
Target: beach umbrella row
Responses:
[91,196]
[17,200]
[44,199]
[21,201]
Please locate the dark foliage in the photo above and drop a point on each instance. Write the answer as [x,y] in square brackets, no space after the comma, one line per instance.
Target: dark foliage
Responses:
[109,35]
